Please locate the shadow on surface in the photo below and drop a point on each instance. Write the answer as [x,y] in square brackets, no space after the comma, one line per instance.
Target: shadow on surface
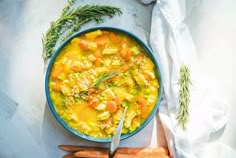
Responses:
[10,25]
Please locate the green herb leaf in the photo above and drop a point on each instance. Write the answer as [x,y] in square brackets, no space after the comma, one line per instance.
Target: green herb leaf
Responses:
[102,78]
[71,20]
[67,7]
[184,97]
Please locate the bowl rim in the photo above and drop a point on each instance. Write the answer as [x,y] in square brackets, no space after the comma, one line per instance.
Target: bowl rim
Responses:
[150,53]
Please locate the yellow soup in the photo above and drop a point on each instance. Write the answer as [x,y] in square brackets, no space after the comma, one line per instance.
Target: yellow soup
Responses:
[95,76]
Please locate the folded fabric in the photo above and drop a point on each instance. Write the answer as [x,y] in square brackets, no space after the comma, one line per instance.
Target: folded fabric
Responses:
[171,41]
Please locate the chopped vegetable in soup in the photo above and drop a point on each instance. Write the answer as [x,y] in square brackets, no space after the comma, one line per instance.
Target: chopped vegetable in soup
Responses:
[98,74]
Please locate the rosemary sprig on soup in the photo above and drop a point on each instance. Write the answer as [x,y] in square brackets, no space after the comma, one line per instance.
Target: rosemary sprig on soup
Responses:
[96,75]
[102,78]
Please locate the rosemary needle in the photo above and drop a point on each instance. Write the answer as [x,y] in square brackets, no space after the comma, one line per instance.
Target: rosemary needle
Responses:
[102,78]
[184,97]
[70,21]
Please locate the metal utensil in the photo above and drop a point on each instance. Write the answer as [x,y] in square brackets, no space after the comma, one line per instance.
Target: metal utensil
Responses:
[116,138]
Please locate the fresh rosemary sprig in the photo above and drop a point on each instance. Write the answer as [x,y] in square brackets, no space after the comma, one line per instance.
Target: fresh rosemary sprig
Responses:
[71,20]
[102,78]
[67,7]
[184,97]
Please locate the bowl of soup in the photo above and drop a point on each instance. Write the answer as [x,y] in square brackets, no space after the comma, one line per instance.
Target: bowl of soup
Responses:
[94,75]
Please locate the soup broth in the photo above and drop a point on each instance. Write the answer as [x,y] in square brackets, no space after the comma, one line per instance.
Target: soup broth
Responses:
[95,76]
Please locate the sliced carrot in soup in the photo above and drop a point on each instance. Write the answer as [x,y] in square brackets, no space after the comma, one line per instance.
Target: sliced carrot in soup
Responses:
[97,62]
[111,106]
[113,37]
[127,55]
[142,107]
[76,68]
[83,44]
[101,41]
[125,68]
[93,100]
[58,86]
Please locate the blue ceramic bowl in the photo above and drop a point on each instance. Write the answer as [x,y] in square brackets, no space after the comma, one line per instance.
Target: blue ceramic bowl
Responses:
[81,135]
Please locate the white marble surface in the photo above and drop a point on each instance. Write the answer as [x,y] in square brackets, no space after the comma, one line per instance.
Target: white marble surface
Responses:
[22,22]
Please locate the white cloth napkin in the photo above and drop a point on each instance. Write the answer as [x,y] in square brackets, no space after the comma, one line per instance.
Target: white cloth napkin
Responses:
[170,39]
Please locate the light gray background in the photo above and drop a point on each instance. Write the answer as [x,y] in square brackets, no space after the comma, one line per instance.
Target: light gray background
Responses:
[25,132]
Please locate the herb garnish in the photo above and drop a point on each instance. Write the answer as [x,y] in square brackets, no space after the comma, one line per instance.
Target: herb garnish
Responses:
[102,78]
[71,20]
[184,97]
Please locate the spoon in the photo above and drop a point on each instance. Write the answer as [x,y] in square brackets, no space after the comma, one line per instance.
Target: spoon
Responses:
[116,138]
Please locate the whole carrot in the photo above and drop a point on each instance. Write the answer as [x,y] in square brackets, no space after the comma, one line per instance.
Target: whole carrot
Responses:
[147,152]
[102,154]
[72,148]
[155,150]
[92,154]
[139,156]
[69,156]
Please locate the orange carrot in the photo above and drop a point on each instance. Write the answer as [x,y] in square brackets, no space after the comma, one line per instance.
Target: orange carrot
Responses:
[91,90]
[93,100]
[97,62]
[142,107]
[129,150]
[125,68]
[58,86]
[56,71]
[157,150]
[111,106]
[69,156]
[94,103]
[147,155]
[76,68]
[83,44]
[147,76]
[70,148]
[74,148]
[154,150]
[141,100]
[127,55]
[123,52]
[92,154]
[147,152]
[114,38]
[144,112]
[127,153]
[101,41]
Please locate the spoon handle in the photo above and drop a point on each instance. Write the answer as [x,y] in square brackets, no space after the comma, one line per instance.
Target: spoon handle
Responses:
[116,138]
